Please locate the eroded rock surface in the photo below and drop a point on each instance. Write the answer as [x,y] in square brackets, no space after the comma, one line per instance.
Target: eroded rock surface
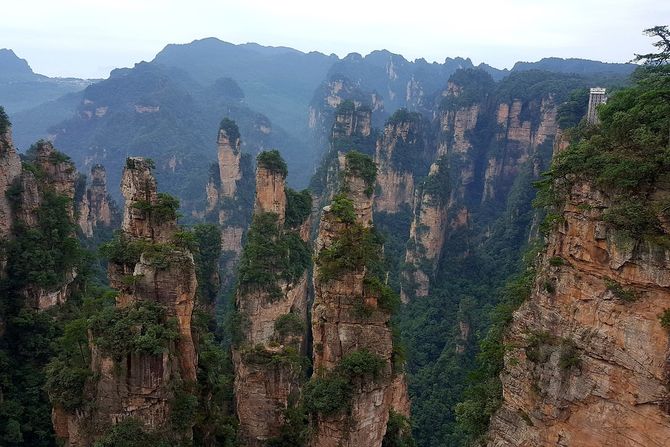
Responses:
[588,363]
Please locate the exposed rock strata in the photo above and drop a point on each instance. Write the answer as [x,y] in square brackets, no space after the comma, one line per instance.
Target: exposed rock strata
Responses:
[266,373]
[49,172]
[229,163]
[142,385]
[402,140]
[270,194]
[95,207]
[10,169]
[339,330]
[616,390]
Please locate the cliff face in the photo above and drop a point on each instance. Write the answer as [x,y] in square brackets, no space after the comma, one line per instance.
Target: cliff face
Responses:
[330,95]
[589,358]
[268,360]
[351,128]
[96,209]
[520,139]
[10,169]
[47,173]
[270,194]
[229,162]
[228,197]
[400,151]
[350,319]
[155,278]
[473,169]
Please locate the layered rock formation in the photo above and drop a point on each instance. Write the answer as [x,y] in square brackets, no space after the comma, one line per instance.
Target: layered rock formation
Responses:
[588,363]
[474,168]
[269,359]
[48,175]
[229,158]
[520,139]
[10,169]
[401,150]
[95,208]
[227,196]
[351,319]
[270,191]
[156,283]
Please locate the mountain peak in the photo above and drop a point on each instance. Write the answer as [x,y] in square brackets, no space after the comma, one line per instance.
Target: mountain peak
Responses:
[12,66]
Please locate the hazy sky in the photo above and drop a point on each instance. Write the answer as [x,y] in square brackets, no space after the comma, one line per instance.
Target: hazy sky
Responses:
[87,38]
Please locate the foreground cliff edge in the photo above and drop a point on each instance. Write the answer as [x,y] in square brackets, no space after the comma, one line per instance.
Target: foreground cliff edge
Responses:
[586,359]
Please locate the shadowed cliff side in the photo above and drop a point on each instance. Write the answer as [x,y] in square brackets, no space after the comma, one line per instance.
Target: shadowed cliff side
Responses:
[271,306]
[358,381]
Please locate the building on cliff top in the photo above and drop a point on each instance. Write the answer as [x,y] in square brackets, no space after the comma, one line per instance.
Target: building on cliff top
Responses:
[597,96]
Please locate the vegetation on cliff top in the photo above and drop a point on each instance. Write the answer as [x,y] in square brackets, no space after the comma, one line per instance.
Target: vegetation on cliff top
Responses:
[232,131]
[361,165]
[272,161]
[627,155]
[298,207]
[270,255]
[140,328]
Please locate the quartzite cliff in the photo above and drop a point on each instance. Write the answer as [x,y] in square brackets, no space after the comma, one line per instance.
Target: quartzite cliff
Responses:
[141,374]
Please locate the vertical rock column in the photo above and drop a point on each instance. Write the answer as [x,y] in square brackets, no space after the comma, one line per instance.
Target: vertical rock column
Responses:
[150,271]
[10,169]
[95,207]
[269,359]
[50,173]
[225,202]
[350,321]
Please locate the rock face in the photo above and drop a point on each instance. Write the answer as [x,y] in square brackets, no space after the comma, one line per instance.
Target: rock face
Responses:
[520,139]
[95,207]
[339,329]
[141,384]
[464,172]
[268,360]
[10,169]
[427,235]
[325,105]
[589,358]
[399,152]
[48,172]
[229,197]
[270,194]
[229,162]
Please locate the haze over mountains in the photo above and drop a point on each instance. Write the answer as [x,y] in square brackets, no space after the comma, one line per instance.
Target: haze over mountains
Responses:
[268,89]
[448,209]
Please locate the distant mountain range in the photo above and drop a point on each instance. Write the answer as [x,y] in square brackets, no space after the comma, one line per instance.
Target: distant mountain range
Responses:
[169,108]
[22,89]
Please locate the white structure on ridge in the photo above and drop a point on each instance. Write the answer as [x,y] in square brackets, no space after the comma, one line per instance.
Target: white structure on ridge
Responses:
[597,96]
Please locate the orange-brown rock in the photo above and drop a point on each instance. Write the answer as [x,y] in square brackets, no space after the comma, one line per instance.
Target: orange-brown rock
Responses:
[268,369]
[141,385]
[229,163]
[338,329]
[270,194]
[95,208]
[586,366]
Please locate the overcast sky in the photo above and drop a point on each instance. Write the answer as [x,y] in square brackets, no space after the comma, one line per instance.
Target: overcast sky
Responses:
[88,38]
